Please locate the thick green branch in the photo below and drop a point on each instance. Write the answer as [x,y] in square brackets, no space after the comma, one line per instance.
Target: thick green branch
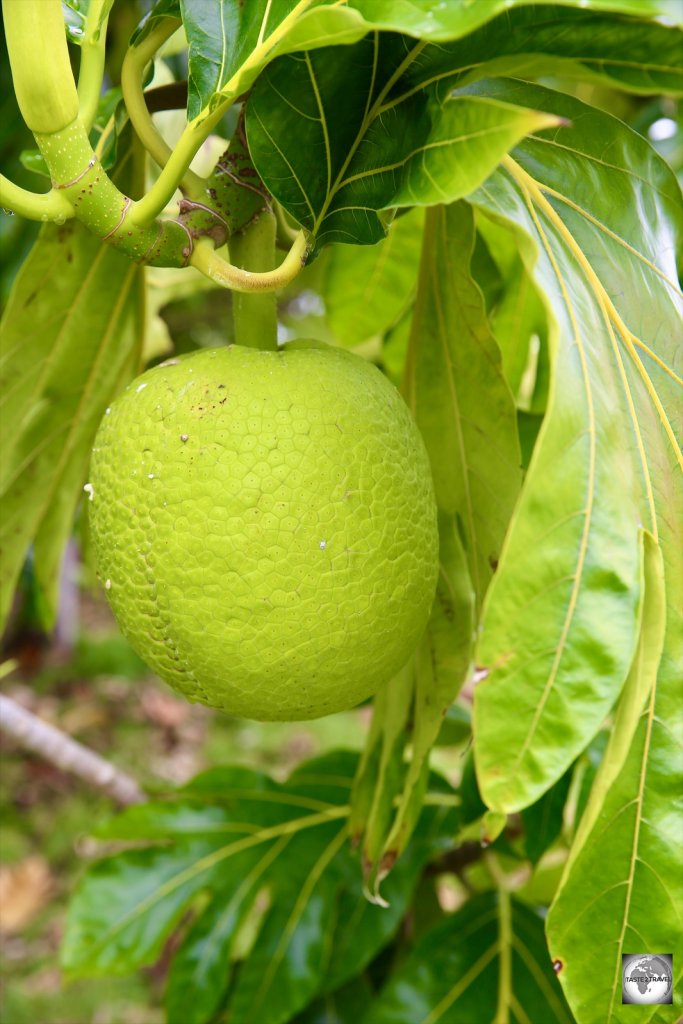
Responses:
[79,176]
[212,209]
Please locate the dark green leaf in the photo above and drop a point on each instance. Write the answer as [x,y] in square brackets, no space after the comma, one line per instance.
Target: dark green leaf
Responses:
[243,854]
[518,38]
[336,145]
[529,427]
[472,807]
[127,905]
[487,962]
[345,1006]
[561,620]
[457,726]
[159,10]
[543,820]
[231,41]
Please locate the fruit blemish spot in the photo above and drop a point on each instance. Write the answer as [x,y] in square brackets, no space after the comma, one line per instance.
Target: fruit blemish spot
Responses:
[90,491]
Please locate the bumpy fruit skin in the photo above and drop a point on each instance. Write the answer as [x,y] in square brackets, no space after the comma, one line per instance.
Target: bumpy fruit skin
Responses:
[264,525]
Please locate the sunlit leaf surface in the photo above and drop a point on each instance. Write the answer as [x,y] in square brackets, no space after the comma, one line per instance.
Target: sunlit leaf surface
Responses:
[64,348]
[560,627]
[627,853]
[563,617]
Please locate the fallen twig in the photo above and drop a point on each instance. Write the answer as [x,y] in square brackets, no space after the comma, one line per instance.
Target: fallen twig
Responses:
[67,754]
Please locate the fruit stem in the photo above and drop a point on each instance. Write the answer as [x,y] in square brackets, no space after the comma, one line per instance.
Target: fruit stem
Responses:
[254,314]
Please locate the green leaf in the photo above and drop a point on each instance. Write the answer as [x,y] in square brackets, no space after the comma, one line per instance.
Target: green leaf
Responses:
[242,853]
[515,37]
[381,781]
[127,905]
[486,962]
[68,340]
[455,387]
[366,291]
[345,1006]
[159,10]
[561,618]
[440,666]
[543,820]
[336,147]
[230,41]
[519,322]
[444,21]
[625,860]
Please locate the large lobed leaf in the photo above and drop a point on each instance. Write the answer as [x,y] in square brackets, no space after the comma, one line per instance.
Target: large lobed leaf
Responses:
[454,384]
[626,857]
[573,593]
[265,870]
[486,962]
[561,622]
[336,145]
[68,338]
[231,42]
[342,134]
[444,21]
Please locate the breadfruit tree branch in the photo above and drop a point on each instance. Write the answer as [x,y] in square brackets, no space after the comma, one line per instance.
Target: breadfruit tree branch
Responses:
[59,749]
[211,210]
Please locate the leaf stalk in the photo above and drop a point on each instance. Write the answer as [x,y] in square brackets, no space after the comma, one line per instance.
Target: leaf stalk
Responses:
[48,206]
[91,71]
[136,60]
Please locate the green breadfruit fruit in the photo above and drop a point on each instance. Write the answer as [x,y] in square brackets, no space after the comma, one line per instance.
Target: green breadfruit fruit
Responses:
[265,527]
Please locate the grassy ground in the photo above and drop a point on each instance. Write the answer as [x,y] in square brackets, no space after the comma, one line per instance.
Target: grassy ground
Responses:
[100,693]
